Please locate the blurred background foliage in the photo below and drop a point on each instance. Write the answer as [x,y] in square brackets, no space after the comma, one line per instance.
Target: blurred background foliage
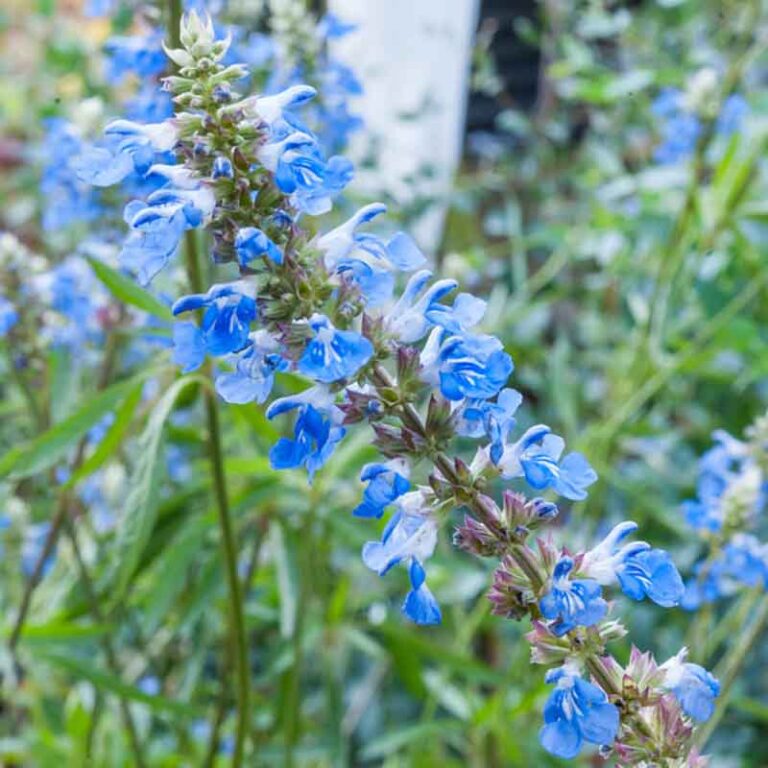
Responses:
[631,294]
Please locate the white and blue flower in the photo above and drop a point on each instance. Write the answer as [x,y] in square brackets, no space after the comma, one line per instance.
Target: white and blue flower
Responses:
[571,602]
[386,482]
[576,712]
[332,355]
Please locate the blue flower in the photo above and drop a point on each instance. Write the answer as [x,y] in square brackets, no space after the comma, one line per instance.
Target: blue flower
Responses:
[316,433]
[410,532]
[536,456]
[149,685]
[8,316]
[693,687]
[478,418]
[251,243]
[301,171]
[420,605]
[571,603]
[366,259]
[141,55]
[576,711]
[131,147]
[745,559]
[66,198]
[229,312]
[409,537]
[188,346]
[679,137]
[386,482]
[331,27]
[407,319]
[732,114]
[333,355]
[651,573]
[400,251]
[254,372]
[469,365]
[638,569]
[465,312]
[275,111]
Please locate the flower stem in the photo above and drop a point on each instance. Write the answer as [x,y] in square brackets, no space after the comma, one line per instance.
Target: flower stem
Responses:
[215,455]
[730,666]
[229,547]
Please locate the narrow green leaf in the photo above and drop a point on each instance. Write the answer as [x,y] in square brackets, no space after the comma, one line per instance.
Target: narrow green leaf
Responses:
[43,451]
[112,684]
[127,291]
[59,631]
[286,580]
[140,511]
[112,440]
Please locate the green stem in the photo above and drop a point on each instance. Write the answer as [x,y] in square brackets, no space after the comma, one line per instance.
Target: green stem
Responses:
[228,545]
[106,643]
[730,667]
[215,456]
[653,384]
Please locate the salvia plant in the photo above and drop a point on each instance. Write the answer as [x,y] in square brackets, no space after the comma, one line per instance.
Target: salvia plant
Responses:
[726,514]
[250,173]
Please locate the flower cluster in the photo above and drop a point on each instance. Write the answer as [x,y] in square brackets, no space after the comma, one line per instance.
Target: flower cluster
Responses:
[732,491]
[251,172]
[683,115]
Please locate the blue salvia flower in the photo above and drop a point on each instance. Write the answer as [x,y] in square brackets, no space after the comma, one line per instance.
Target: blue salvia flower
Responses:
[731,492]
[693,687]
[251,243]
[333,355]
[410,538]
[188,346]
[316,433]
[576,712]
[420,605]
[367,259]
[572,602]
[681,127]
[229,312]
[732,114]
[400,251]
[140,55]
[479,418]
[465,366]
[407,319]
[255,369]
[386,482]
[131,147]
[8,316]
[639,570]
[536,456]
[302,172]
[66,198]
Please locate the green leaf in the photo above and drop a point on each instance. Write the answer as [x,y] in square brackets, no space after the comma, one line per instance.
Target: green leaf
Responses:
[449,730]
[140,511]
[112,440]
[112,684]
[286,579]
[127,291]
[43,451]
[59,631]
